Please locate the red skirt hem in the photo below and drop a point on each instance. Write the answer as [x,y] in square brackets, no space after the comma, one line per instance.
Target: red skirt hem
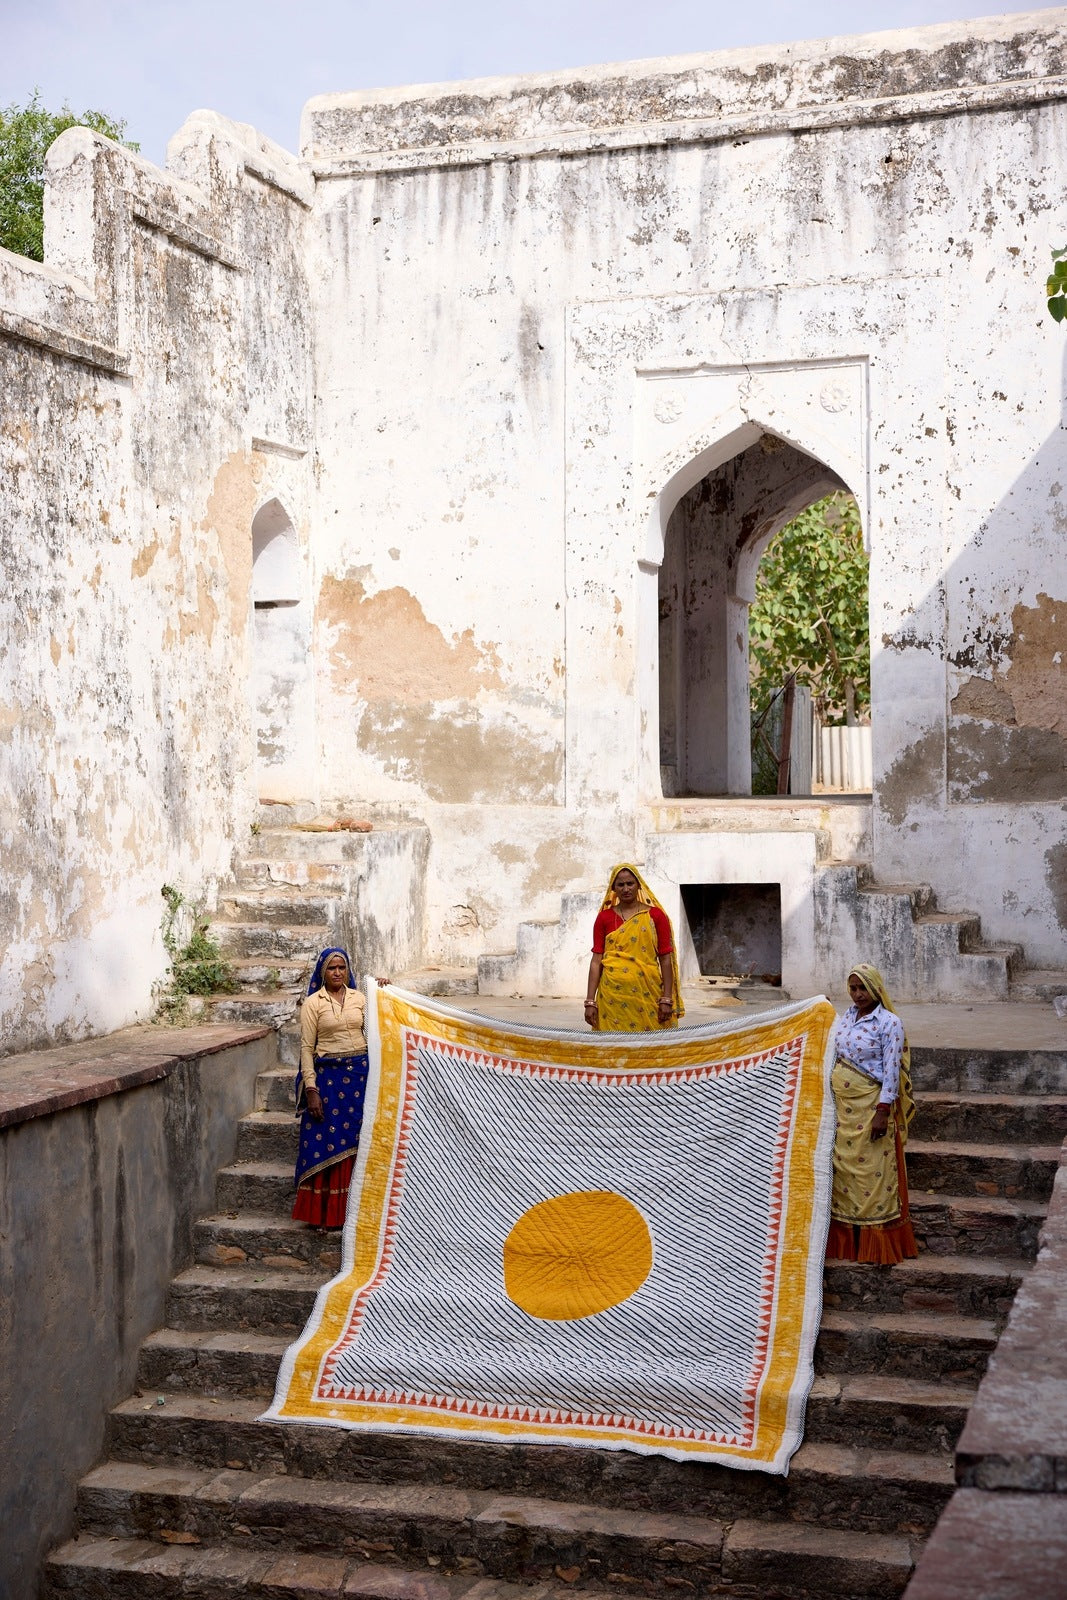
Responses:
[322,1199]
[884,1245]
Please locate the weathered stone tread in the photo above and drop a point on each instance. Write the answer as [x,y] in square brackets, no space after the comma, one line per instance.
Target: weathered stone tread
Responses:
[131,1569]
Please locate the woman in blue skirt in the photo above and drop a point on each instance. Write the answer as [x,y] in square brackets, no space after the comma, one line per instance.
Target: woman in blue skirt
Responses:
[330,1090]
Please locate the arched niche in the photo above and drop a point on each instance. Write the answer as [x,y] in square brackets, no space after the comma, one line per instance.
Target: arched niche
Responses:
[716,527]
[282,671]
[277,573]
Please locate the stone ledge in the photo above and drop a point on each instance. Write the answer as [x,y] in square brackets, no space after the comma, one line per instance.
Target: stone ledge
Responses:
[38,1083]
[995,1547]
[1016,1432]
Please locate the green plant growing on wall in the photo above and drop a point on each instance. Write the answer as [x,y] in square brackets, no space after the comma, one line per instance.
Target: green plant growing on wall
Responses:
[25,135]
[197,964]
[1056,286]
[810,612]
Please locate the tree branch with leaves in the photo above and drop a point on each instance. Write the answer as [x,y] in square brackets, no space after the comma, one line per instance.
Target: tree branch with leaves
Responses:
[26,132]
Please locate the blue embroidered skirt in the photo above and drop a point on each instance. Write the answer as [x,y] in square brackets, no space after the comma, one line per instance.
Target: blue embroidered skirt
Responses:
[342,1083]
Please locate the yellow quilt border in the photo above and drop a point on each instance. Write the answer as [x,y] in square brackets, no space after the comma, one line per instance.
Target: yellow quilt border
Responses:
[397,1011]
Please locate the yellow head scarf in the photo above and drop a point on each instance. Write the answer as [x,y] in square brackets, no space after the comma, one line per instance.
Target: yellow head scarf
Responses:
[647,898]
[874,984]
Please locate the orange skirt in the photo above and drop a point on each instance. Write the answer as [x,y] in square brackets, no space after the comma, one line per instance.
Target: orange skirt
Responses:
[322,1199]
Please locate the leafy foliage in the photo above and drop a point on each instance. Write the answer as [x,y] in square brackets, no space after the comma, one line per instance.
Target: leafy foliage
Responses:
[25,135]
[197,964]
[1056,286]
[810,612]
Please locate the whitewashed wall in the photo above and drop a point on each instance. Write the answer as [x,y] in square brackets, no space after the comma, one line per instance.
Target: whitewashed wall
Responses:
[154,381]
[546,307]
[470,351]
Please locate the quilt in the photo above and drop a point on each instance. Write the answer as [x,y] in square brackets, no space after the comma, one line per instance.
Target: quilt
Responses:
[608,1241]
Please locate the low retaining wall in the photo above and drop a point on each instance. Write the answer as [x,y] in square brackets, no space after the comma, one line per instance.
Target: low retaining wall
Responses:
[108,1153]
[1003,1535]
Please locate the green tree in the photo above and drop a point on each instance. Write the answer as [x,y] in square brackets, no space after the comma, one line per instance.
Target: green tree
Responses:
[25,134]
[810,611]
[1056,286]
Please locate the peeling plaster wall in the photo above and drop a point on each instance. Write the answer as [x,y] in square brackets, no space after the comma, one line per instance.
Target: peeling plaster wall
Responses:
[478,345]
[150,370]
[547,307]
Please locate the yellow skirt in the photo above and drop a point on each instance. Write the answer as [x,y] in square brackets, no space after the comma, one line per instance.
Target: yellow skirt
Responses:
[869,1200]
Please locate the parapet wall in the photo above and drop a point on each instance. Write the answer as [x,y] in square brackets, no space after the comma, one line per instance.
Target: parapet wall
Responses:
[108,1155]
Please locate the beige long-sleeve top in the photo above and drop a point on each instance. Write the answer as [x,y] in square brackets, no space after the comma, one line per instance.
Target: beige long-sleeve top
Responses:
[330,1028]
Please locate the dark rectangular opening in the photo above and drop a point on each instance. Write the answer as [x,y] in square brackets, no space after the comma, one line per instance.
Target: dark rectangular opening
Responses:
[736,929]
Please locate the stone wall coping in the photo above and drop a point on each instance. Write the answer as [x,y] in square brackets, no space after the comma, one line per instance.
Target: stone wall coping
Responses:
[1015,1437]
[896,75]
[37,1083]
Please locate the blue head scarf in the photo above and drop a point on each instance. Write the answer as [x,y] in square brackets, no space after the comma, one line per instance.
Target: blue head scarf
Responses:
[316,976]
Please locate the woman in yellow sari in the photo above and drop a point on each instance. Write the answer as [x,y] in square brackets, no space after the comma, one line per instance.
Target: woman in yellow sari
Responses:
[633,974]
[871,1082]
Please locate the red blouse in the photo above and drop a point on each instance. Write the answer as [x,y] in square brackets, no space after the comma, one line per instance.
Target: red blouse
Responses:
[607,921]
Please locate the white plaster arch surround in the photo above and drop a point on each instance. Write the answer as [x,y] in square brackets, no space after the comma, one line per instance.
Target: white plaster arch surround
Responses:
[666,476]
[659,391]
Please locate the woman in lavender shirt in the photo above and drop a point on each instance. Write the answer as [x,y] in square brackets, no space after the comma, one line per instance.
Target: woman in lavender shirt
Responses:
[872,1092]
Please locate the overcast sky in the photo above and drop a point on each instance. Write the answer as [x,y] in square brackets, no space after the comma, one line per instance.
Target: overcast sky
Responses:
[152,62]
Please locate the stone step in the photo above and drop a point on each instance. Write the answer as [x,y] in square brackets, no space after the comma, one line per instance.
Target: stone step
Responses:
[1011,1170]
[263,1292]
[271,1007]
[888,1412]
[287,872]
[958,1285]
[929,1345]
[267,1241]
[268,1135]
[260,1193]
[152,1569]
[214,1361]
[220,1359]
[243,1298]
[273,942]
[971,1070]
[322,844]
[991,1118]
[771,1559]
[262,975]
[275,1089]
[877,1490]
[263,1186]
[438,981]
[278,906]
[976,1225]
[519,1539]
[1036,983]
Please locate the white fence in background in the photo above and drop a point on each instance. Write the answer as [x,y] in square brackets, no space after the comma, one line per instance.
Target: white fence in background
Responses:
[842,758]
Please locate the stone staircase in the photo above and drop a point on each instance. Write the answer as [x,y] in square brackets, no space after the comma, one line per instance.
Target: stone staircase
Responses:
[296,891]
[198,1499]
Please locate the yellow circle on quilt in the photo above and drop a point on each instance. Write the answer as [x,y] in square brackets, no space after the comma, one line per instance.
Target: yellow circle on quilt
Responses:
[576,1254]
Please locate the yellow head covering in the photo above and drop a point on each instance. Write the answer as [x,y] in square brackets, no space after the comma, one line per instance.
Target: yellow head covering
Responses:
[647,898]
[874,984]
